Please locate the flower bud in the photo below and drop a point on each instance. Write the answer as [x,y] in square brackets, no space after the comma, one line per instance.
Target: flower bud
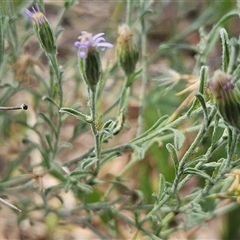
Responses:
[226,97]
[43,31]
[90,68]
[89,57]
[127,51]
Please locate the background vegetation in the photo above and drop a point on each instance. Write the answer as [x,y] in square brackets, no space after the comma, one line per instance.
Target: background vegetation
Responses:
[168,173]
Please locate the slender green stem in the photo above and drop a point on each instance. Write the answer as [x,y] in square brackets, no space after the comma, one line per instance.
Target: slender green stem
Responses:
[218,212]
[58,75]
[14,32]
[187,156]
[79,159]
[144,70]
[60,17]
[220,143]
[232,150]
[211,38]
[124,95]
[129,12]
[142,138]
[157,207]
[2,35]
[191,149]
[232,145]
[135,159]
[130,221]
[97,143]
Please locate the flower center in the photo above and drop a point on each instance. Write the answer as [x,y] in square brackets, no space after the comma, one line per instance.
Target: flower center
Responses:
[84,38]
[38,17]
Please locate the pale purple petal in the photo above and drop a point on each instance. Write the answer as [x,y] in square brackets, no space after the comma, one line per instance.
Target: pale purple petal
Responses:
[97,36]
[77,44]
[34,10]
[29,13]
[36,15]
[98,40]
[105,45]
[81,45]
[86,44]
[82,54]
[87,40]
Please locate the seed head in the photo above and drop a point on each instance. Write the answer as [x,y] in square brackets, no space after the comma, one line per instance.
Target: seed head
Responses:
[127,51]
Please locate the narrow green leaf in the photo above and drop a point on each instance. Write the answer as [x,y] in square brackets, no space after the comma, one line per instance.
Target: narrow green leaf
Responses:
[16,162]
[88,162]
[58,172]
[109,158]
[236,163]
[79,173]
[201,89]
[203,79]
[49,99]
[58,197]
[234,53]
[133,77]
[179,138]
[76,114]
[197,172]
[161,187]
[168,218]
[160,122]
[12,85]
[4,66]
[53,188]
[173,154]
[49,140]
[49,122]
[123,103]
[210,166]
[211,36]
[64,145]
[85,188]
[68,186]
[69,3]
[135,237]
[238,6]
[1,39]
[202,159]
[225,49]
[201,100]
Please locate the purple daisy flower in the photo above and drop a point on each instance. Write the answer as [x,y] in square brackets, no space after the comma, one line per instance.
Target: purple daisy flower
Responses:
[87,41]
[37,16]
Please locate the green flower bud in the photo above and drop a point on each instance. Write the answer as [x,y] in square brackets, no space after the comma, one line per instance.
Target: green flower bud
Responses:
[127,51]
[90,68]
[89,57]
[43,31]
[226,98]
